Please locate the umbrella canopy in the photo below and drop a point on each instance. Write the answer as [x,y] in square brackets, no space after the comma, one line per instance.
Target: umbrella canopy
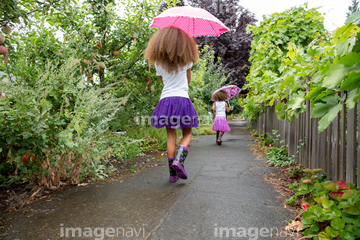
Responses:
[231,90]
[194,21]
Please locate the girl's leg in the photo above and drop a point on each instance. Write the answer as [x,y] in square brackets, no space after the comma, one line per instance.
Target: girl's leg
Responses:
[219,141]
[171,142]
[217,135]
[171,139]
[178,164]
[187,134]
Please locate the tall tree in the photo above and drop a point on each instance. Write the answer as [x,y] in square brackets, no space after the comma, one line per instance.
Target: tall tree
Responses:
[232,47]
[13,11]
[353,8]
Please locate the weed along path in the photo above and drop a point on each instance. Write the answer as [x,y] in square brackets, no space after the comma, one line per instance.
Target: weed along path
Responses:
[224,196]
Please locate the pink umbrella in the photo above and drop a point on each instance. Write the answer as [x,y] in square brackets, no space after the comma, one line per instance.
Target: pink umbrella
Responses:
[194,21]
[231,90]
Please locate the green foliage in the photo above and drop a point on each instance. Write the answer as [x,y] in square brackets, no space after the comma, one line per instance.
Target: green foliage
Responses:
[297,26]
[278,157]
[203,129]
[317,72]
[17,11]
[149,137]
[331,210]
[59,122]
[353,8]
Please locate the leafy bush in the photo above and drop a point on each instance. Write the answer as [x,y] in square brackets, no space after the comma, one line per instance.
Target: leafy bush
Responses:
[203,129]
[293,65]
[150,138]
[297,26]
[50,129]
[330,210]
[278,157]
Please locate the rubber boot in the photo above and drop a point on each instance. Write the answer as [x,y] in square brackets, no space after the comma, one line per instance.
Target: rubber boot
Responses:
[219,141]
[173,177]
[178,164]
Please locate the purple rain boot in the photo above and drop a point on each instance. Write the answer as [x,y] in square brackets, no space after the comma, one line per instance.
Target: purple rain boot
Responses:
[173,177]
[178,164]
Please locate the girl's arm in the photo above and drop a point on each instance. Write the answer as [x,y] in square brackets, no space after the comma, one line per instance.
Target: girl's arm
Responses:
[160,77]
[227,107]
[188,74]
[213,109]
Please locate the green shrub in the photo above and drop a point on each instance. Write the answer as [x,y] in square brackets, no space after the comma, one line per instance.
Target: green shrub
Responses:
[150,138]
[51,129]
[203,129]
[329,210]
[278,157]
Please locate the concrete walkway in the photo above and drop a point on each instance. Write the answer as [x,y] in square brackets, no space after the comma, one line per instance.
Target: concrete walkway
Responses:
[224,197]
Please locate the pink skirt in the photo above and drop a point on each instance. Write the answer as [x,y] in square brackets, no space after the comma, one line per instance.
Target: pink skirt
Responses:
[220,124]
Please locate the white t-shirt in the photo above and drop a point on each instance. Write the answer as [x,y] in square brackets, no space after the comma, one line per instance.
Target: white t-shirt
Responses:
[175,84]
[220,109]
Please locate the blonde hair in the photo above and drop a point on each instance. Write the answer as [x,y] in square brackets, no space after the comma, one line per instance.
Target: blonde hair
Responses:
[220,96]
[171,48]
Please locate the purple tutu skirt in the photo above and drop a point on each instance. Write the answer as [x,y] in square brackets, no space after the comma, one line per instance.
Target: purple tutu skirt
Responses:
[220,124]
[174,112]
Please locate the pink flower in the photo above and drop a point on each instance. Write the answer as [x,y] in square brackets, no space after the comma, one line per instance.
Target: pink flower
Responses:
[305,206]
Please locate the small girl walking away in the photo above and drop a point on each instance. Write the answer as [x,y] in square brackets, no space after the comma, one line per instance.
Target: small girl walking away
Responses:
[220,124]
[173,52]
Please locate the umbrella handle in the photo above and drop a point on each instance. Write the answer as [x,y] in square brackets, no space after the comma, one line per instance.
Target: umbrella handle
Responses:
[232,108]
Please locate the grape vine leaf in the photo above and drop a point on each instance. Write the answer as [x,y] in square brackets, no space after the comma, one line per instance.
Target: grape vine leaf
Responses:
[334,75]
[329,117]
[321,108]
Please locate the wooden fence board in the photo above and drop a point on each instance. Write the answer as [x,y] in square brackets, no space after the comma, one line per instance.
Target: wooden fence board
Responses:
[342,145]
[314,144]
[335,149]
[302,136]
[322,150]
[307,136]
[351,147]
[328,152]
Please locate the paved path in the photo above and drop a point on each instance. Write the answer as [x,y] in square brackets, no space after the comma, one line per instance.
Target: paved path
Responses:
[224,194]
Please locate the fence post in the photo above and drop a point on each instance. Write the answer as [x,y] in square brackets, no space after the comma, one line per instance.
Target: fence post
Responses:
[314,145]
[260,124]
[292,138]
[322,151]
[307,136]
[351,147]
[302,138]
[342,145]
[335,149]
[328,152]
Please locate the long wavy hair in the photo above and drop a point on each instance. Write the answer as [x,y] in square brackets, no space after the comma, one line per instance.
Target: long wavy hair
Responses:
[220,96]
[171,49]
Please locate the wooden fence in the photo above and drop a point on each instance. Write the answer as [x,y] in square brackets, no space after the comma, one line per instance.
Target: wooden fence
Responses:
[336,149]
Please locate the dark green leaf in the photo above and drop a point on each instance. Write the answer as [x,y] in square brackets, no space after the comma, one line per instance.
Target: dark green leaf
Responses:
[337,223]
[329,117]
[334,75]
